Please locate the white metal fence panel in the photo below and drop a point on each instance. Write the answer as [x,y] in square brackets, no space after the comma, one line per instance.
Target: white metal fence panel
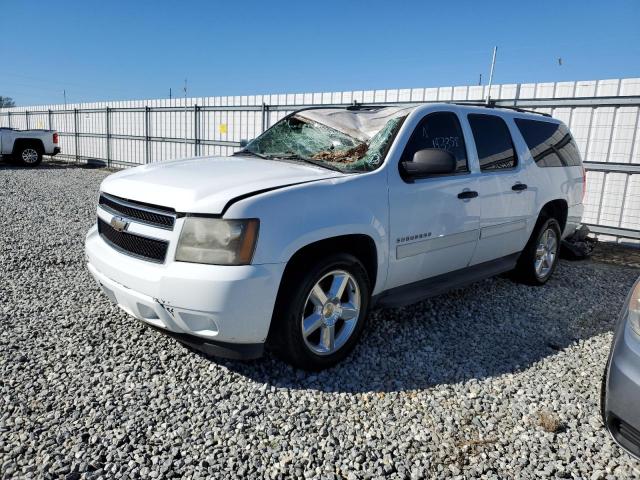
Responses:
[603,116]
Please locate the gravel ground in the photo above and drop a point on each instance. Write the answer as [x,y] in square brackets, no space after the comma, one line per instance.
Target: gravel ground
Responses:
[496,380]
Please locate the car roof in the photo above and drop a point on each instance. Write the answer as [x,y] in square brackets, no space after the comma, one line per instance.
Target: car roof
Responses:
[500,110]
[462,106]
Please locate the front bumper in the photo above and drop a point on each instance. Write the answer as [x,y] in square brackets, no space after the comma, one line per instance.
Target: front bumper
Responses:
[223,310]
[620,396]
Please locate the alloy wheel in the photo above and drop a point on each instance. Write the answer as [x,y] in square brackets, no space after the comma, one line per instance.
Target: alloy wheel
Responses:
[546,253]
[29,155]
[331,312]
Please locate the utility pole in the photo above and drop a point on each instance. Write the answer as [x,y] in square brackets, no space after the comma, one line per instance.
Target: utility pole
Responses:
[186,115]
[64,93]
[169,93]
[480,80]
[493,64]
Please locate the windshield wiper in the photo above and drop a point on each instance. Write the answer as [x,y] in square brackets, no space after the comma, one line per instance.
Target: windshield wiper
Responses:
[248,153]
[317,163]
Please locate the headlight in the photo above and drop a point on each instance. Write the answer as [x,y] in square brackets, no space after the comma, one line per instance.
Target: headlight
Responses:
[217,241]
[634,309]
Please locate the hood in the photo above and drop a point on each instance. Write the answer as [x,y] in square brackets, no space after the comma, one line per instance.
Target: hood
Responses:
[207,184]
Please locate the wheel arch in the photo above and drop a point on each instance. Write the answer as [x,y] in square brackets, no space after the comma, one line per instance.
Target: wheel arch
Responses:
[360,245]
[25,142]
[558,209]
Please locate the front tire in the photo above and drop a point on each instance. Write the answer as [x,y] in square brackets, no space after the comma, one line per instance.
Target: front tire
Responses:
[29,156]
[321,311]
[540,256]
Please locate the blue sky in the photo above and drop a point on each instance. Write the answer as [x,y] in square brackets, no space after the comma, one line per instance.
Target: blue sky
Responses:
[102,50]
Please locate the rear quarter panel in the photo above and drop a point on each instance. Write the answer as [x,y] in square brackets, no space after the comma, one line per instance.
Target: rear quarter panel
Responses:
[552,183]
[6,141]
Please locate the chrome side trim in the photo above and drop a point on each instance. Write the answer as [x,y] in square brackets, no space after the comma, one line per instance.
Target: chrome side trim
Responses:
[437,243]
[503,228]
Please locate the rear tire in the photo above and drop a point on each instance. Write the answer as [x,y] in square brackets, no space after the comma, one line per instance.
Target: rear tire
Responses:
[28,155]
[539,258]
[320,312]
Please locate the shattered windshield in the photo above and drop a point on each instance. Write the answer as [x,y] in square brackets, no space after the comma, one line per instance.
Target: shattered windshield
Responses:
[349,140]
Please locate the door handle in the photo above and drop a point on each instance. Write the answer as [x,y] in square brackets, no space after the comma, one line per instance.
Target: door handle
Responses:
[518,187]
[468,194]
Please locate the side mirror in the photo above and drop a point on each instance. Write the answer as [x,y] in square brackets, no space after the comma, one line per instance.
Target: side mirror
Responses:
[244,142]
[430,161]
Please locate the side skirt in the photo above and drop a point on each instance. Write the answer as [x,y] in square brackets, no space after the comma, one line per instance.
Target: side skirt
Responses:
[423,289]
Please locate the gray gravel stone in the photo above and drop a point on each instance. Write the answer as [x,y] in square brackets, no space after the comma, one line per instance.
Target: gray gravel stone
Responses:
[451,387]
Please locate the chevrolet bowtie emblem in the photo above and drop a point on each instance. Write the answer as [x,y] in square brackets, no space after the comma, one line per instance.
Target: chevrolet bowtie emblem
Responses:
[119,224]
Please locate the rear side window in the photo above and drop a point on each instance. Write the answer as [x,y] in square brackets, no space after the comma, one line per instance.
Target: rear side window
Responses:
[550,144]
[493,142]
[438,130]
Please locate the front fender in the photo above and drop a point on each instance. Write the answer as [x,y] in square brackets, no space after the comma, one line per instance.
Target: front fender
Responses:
[296,216]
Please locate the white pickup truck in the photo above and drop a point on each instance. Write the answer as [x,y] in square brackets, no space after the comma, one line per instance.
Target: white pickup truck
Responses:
[290,242]
[27,146]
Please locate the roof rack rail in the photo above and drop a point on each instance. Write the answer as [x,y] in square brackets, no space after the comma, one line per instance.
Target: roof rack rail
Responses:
[492,104]
[356,105]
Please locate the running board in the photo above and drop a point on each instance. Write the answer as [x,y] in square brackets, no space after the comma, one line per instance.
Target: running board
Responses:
[430,287]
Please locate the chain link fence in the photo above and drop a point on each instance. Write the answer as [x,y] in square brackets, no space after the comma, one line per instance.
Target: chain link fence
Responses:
[602,115]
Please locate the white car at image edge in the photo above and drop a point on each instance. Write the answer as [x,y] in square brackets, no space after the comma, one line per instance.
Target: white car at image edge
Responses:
[331,211]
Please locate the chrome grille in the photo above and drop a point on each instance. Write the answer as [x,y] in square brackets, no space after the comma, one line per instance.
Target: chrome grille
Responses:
[149,214]
[135,245]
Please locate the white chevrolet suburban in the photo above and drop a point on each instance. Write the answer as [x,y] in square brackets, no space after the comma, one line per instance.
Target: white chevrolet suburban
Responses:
[331,211]
[27,146]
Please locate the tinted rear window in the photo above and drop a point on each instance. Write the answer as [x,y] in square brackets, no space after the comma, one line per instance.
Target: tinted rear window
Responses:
[550,144]
[493,142]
